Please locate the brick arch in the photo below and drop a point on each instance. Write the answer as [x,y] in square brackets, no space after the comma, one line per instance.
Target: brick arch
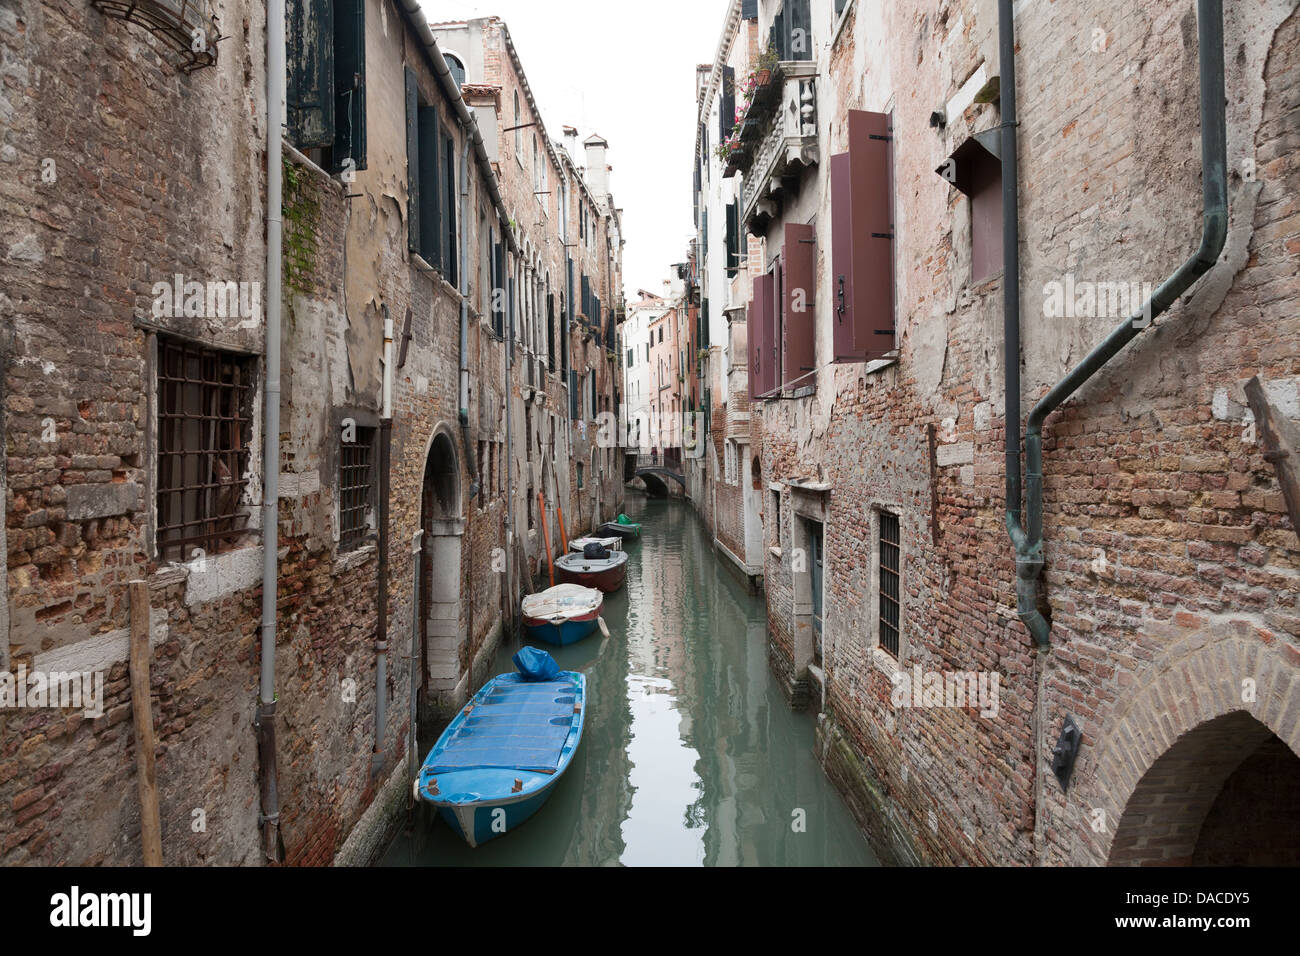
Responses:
[1169,745]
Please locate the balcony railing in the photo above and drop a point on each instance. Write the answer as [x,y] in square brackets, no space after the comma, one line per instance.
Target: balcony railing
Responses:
[788,145]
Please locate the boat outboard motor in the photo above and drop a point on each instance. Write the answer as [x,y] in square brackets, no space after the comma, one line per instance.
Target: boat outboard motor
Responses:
[595,551]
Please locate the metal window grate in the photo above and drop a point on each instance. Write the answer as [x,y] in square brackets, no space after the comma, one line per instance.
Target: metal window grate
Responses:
[890,564]
[204,413]
[356,498]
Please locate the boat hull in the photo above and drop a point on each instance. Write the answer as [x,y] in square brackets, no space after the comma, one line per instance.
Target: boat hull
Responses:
[613,528]
[561,634]
[483,802]
[605,575]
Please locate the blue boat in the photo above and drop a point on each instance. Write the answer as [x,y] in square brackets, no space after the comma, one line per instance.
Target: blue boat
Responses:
[564,614]
[501,757]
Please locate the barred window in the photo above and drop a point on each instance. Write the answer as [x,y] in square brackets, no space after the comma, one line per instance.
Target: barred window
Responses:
[204,418]
[890,580]
[356,489]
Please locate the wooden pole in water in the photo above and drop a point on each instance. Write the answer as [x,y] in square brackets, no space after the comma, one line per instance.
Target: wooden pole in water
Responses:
[146,775]
[564,537]
[546,534]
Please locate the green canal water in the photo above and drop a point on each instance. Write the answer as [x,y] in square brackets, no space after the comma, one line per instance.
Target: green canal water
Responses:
[689,755]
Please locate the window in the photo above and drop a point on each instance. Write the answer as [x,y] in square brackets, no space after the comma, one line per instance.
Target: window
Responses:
[661,334]
[325,102]
[630,353]
[981,180]
[457,68]
[431,183]
[496,272]
[448,211]
[890,582]
[733,238]
[862,240]
[204,417]
[791,31]
[519,132]
[727,104]
[579,476]
[356,488]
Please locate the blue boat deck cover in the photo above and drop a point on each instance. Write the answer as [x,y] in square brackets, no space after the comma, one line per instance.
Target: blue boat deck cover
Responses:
[518,726]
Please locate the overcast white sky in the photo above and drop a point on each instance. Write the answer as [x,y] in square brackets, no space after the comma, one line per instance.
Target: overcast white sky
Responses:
[626,71]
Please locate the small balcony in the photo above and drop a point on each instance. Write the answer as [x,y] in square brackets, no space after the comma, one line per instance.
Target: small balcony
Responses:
[788,145]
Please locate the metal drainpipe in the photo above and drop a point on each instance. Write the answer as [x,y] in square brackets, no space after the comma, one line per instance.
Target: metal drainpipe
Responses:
[471,457]
[1028,540]
[381,628]
[272,843]
[510,476]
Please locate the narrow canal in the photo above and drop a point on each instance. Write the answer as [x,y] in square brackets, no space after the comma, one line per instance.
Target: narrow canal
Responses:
[689,754]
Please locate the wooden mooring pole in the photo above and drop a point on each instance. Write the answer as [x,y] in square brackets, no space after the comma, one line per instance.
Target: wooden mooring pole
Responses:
[146,774]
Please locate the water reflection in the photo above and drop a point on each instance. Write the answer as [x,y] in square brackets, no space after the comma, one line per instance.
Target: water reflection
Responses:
[690,755]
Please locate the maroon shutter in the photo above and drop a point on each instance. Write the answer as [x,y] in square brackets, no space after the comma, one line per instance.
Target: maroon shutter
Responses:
[800,281]
[863,239]
[777,304]
[751,343]
[760,349]
[873,233]
[841,307]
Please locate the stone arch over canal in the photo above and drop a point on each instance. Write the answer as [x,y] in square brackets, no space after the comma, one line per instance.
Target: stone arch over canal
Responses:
[1198,765]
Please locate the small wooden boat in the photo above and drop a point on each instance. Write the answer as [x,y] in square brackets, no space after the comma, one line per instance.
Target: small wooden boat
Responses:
[613,543]
[604,573]
[628,530]
[501,757]
[563,614]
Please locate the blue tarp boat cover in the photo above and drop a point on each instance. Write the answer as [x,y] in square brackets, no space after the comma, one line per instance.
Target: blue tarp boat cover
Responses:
[517,726]
[534,664]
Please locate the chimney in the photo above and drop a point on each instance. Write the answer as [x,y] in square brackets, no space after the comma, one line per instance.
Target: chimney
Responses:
[597,169]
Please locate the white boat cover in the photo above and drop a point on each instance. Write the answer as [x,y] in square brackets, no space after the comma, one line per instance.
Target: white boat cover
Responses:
[562,602]
[614,544]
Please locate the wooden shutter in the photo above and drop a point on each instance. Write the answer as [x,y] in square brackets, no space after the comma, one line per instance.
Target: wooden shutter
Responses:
[431,195]
[498,306]
[760,347]
[350,83]
[752,344]
[727,103]
[797,301]
[449,209]
[309,90]
[412,161]
[733,238]
[550,329]
[862,241]
[772,337]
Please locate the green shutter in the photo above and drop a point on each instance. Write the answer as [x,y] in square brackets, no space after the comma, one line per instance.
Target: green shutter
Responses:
[309,93]
[449,208]
[431,198]
[412,162]
[350,82]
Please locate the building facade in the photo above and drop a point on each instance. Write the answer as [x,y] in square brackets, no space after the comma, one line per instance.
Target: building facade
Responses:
[1114,682]
[426,326]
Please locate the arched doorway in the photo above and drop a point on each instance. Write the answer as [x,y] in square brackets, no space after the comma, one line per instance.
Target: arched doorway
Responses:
[1227,793]
[440,578]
